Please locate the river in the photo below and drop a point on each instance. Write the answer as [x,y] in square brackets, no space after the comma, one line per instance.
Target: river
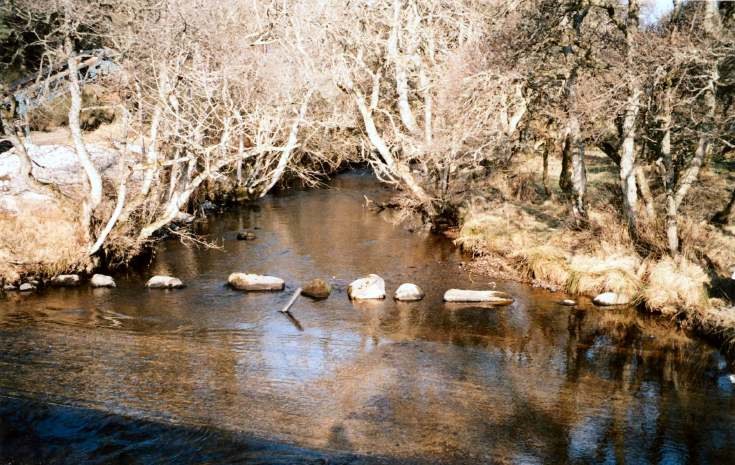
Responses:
[207,374]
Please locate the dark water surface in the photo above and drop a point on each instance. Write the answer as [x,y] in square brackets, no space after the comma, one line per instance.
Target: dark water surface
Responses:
[210,375]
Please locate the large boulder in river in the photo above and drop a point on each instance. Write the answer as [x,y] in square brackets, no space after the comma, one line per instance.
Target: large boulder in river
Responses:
[408,292]
[65,280]
[370,287]
[164,282]
[255,282]
[611,298]
[316,289]
[491,297]
[101,280]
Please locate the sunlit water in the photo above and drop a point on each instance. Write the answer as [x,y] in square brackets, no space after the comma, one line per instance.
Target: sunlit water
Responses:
[211,375]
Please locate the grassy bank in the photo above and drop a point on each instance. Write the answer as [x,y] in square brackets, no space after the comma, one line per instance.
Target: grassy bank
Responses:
[516,229]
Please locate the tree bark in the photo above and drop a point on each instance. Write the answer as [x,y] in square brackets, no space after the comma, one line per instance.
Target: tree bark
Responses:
[672,226]
[565,177]
[93,176]
[404,107]
[628,153]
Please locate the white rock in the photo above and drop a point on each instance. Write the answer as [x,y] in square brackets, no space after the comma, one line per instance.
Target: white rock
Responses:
[568,302]
[184,218]
[493,297]
[65,280]
[370,287]
[733,275]
[164,282]
[255,282]
[611,298]
[408,292]
[101,280]
[9,287]
[732,379]
[27,287]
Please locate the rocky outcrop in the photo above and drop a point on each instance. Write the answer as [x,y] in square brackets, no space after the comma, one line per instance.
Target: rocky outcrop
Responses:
[101,280]
[408,292]
[255,282]
[66,280]
[316,289]
[611,298]
[491,297]
[370,287]
[164,282]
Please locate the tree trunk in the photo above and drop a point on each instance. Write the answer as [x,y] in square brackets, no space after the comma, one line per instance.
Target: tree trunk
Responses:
[565,177]
[628,153]
[645,189]
[93,177]
[672,226]
[404,107]
[579,174]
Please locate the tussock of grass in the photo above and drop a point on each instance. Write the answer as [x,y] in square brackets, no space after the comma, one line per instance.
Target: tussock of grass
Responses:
[45,241]
[603,272]
[546,264]
[675,284]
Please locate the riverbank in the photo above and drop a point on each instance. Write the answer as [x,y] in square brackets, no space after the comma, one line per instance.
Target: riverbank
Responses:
[518,231]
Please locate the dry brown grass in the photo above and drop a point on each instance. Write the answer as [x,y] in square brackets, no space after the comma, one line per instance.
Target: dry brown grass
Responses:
[523,236]
[675,284]
[45,242]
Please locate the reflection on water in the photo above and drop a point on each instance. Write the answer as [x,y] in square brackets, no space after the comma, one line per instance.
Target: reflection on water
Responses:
[534,382]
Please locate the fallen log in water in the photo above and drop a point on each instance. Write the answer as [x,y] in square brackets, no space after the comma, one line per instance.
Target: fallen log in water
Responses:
[291,301]
[491,297]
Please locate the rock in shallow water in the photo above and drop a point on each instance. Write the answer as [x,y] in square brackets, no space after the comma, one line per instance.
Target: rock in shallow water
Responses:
[316,289]
[65,280]
[27,287]
[101,280]
[611,298]
[370,287]
[492,297]
[408,292]
[568,302]
[255,282]
[246,236]
[164,282]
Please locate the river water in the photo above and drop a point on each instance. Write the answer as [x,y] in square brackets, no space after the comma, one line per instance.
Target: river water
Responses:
[207,374]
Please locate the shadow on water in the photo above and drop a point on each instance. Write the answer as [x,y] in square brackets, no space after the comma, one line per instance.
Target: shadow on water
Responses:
[40,433]
[114,375]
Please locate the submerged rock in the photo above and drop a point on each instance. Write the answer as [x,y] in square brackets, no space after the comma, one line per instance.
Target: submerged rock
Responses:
[27,287]
[316,289]
[408,292]
[246,236]
[65,280]
[568,302]
[255,282]
[101,280]
[164,282]
[370,287]
[611,298]
[492,297]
